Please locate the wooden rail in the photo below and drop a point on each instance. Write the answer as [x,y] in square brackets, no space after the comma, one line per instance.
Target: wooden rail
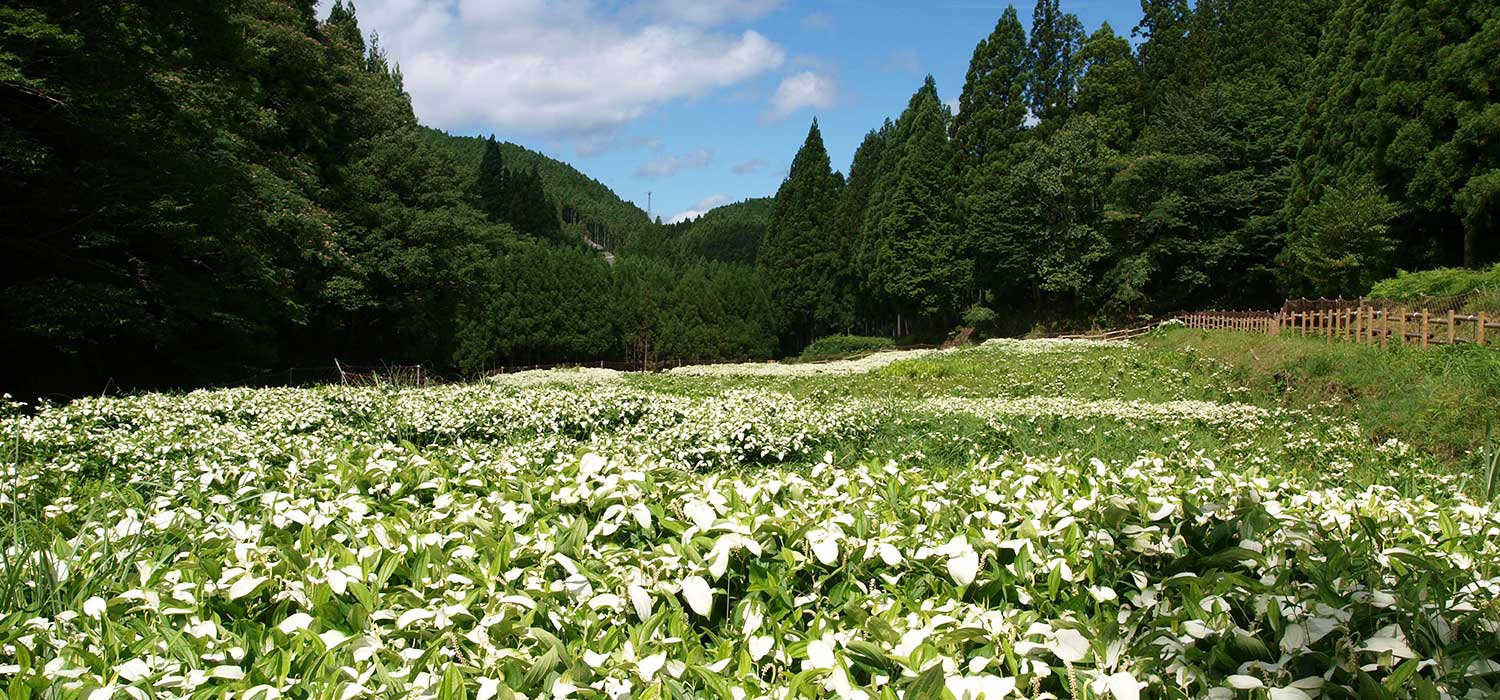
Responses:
[1368,324]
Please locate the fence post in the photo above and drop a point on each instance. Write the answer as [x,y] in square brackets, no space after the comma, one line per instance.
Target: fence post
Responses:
[1426,318]
[1479,335]
[1452,325]
[1385,328]
[1404,314]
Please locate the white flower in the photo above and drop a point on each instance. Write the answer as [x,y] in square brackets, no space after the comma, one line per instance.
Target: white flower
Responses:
[95,607]
[1123,686]
[981,687]
[228,673]
[133,670]
[819,654]
[759,646]
[641,601]
[699,596]
[648,666]
[245,585]
[1243,682]
[964,567]
[1070,645]
[295,623]
[825,546]
[1390,639]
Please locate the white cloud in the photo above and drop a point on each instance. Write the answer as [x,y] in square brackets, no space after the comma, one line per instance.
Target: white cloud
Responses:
[567,69]
[671,165]
[750,166]
[817,20]
[699,209]
[801,91]
[710,12]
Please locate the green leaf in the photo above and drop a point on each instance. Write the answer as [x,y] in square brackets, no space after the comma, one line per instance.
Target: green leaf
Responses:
[537,674]
[928,685]
[870,655]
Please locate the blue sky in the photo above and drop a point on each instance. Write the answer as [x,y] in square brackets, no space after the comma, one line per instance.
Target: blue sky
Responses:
[700,102]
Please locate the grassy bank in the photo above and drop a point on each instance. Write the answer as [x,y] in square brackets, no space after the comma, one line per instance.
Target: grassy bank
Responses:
[1438,400]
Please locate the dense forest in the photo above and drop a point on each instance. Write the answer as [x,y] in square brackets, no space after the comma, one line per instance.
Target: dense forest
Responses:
[1242,151]
[202,193]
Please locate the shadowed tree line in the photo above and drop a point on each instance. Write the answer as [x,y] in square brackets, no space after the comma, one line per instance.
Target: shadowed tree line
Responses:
[199,192]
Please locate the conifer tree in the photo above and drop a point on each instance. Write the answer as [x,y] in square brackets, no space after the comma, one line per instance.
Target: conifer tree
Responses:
[1164,51]
[800,257]
[921,261]
[992,107]
[490,185]
[1411,101]
[1109,85]
[857,247]
[1056,37]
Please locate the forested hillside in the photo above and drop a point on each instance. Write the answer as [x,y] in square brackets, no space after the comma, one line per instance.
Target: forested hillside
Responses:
[731,233]
[200,193]
[1241,152]
[583,201]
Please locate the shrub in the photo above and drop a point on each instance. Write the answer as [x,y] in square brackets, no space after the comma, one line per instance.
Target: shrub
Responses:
[1343,243]
[981,318]
[837,346]
[1442,282]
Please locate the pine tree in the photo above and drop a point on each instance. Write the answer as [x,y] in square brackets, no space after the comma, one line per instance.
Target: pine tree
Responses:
[800,255]
[490,185]
[1055,38]
[1405,91]
[992,107]
[857,246]
[1109,85]
[921,261]
[1165,51]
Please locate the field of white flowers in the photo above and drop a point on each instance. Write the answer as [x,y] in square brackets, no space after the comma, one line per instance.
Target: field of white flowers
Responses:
[1023,519]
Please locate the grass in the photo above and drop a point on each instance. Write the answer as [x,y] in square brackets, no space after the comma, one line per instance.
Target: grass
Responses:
[1438,400]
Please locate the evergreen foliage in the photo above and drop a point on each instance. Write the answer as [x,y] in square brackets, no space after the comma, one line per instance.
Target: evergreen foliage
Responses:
[1405,92]
[1053,68]
[731,233]
[992,107]
[198,193]
[800,258]
[921,261]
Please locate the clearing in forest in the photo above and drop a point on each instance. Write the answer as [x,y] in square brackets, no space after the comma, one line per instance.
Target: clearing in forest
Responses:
[1024,518]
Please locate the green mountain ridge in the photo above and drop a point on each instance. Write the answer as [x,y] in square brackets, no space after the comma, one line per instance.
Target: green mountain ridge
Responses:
[731,233]
[583,201]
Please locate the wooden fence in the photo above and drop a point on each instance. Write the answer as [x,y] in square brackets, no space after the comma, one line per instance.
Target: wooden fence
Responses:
[1369,323]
